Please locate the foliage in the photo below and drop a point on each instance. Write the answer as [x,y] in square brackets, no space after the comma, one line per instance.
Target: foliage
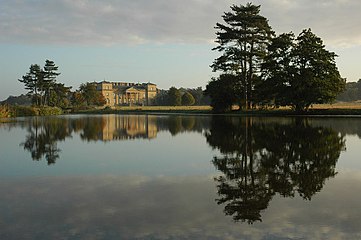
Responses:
[41,85]
[174,97]
[162,98]
[188,99]
[33,81]
[300,72]
[351,93]
[199,97]
[260,159]
[21,111]
[49,80]
[59,96]
[242,40]
[90,95]
[223,92]
[5,111]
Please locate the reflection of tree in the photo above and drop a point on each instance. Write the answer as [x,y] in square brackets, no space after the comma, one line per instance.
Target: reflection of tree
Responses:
[178,124]
[259,160]
[42,138]
[92,128]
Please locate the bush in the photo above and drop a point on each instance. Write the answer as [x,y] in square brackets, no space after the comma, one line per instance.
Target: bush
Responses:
[188,99]
[46,111]
[23,111]
[5,111]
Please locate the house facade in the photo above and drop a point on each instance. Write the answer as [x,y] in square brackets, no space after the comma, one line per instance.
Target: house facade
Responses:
[127,94]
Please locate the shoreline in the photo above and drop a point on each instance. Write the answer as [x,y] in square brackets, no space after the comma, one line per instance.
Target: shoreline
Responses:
[323,111]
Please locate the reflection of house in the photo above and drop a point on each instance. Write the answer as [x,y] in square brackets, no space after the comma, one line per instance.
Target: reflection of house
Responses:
[122,93]
[118,127]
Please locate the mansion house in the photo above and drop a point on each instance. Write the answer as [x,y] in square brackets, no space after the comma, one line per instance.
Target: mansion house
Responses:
[127,94]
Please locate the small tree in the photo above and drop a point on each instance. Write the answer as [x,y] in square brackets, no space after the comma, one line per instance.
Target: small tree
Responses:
[188,99]
[223,92]
[174,97]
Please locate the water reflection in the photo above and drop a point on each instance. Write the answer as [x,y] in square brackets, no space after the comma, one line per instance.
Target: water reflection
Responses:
[43,134]
[42,138]
[260,159]
[110,182]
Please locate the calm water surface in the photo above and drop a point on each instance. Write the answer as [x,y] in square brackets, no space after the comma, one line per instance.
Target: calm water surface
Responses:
[180,177]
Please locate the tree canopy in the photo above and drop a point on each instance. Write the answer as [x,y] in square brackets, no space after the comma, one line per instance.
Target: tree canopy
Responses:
[188,99]
[300,71]
[174,97]
[42,86]
[268,69]
[243,41]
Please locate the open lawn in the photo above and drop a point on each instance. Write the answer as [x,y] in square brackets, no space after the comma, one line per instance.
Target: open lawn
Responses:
[339,105]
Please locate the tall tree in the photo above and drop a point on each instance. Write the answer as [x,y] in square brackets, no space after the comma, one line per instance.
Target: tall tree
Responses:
[33,81]
[243,40]
[50,74]
[301,71]
[174,97]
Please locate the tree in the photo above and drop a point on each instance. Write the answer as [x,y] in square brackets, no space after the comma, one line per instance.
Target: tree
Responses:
[301,71]
[33,81]
[91,95]
[243,41]
[259,158]
[188,99]
[49,81]
[223,92]
[40,81]
[351,93]
[59,95]
[174,97]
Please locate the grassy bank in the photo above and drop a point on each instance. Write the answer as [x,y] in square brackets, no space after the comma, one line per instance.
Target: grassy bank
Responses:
[319,109]
[148,109]
[8,111]
[346,109]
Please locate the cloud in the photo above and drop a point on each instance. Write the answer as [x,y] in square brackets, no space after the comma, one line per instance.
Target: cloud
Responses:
[163,21]
[131,207]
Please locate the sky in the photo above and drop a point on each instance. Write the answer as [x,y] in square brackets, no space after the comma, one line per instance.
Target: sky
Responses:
[167,42]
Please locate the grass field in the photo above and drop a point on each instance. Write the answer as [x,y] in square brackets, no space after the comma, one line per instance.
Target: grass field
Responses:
[339,105]
[353,108]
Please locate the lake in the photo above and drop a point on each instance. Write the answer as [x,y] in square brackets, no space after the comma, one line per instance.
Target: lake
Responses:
[180,177]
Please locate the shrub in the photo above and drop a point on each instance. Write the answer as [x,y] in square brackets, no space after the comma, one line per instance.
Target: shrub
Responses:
[23,111]
[188,99]
[5,111]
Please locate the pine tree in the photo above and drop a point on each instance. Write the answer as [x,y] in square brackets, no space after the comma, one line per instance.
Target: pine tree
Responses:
[243,41]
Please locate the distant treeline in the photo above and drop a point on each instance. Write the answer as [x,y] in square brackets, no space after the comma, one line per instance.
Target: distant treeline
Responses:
[351,93]
[181,97]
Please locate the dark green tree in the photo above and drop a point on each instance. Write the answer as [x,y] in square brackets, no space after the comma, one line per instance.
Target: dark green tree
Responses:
[49,81]
[260,158]
[224,92]
[277,69]
[174,97]
[188,99]
[59,96]
[301,71]
[33,82]
[243,40]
